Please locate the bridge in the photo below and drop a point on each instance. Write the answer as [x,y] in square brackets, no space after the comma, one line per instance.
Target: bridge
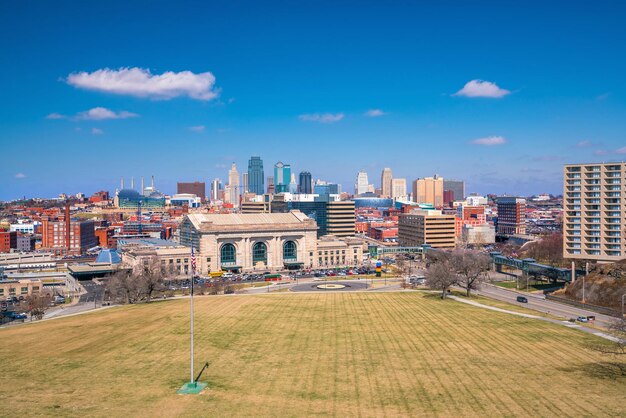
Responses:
[380,251]
[529,266]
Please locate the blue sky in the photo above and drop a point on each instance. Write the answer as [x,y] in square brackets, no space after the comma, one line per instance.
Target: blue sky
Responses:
[294,81]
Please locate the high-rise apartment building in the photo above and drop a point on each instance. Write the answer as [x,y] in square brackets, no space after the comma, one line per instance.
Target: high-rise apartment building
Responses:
[457,187]
[233,186]
[398,189]
[594,211]
[361,184]
[385,183]
[282,177]
[511,215]
[429,190]
[426,227]
[256,176]
[197,187]
[305,185]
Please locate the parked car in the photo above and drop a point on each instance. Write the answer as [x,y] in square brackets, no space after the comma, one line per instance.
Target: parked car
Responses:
[522,299]
[582,319]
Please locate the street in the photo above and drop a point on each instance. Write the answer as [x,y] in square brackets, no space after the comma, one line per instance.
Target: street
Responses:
[539,303]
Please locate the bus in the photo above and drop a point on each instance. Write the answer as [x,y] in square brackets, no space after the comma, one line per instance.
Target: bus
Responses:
[273,277]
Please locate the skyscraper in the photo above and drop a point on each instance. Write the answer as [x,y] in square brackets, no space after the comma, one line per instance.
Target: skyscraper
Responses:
[256,176]
[270,185]
[282,176]
[215,190]
[398,189]
[457,187]
[360,187]
[233,185]
[293,186]
[511,215]
[385,182]
[429,190]
[306,184]
[197,187]
[245,186]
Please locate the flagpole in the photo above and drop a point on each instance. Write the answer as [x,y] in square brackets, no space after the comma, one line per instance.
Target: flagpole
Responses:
[191,312]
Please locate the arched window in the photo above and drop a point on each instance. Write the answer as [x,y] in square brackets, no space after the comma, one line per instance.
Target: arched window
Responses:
[289,251]
[259,252]
[228,254]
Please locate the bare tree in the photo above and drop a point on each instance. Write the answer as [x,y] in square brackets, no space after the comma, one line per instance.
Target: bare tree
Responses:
[122,287]
[151,278]
[440,274]
[471,267]
[38,304]
[548,249]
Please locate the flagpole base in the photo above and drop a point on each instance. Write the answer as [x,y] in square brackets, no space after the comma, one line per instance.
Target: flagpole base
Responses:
[192,388]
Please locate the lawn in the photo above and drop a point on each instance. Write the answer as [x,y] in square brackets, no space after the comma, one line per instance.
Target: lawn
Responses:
[341,354]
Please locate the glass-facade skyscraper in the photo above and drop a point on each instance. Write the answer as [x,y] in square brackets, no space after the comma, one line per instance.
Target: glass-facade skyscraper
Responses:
[305,186]
[282,177]
[256,176]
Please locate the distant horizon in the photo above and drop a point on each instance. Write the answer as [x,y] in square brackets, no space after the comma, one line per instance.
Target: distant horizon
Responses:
[465,91]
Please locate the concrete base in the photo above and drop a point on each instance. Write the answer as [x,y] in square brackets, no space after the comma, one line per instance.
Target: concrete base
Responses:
[192,388]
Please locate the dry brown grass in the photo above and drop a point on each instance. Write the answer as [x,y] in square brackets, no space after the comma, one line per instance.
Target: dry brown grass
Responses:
[341,354]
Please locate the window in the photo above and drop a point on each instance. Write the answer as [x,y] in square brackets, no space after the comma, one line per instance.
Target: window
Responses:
[228,253]
[289,251]
[2,290]
[24,290]
[259,252]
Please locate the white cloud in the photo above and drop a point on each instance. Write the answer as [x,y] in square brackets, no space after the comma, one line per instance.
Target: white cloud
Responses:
[199,128]
[490,140]
[20,176]
[141,82]
[480,88]
[322,117]
[604,152]
[55,116]
[584,144]
[102,113]
[374,113]
[97,131]
[621,150]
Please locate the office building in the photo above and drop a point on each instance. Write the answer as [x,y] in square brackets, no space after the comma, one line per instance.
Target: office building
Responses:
[305,185]
[197,187]
[361,184]
[256,176]
[65,236]
[293,186]
[270,185]
[385,183]
[429,227]
[326,189]
[594,208]
[511,216]
[282,177]
[457,187]
[340,218]
[232,189]
[216,186]
[398,189]
[245,186]
[478,234]
[429,190]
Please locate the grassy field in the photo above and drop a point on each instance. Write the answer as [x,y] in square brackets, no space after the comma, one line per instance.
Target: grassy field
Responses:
[341,354]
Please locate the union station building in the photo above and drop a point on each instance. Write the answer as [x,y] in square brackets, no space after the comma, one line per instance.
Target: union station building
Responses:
[263,241]
[247,242]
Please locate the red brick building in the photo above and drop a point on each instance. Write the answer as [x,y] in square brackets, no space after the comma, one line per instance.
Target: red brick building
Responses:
[8,240]
[68,237]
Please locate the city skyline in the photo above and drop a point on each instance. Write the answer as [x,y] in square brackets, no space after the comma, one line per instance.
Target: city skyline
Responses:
[375,86]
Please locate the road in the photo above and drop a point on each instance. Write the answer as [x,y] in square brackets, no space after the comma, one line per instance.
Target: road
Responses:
[540,304]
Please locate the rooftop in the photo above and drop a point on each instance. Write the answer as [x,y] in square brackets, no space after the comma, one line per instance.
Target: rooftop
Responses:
[295,217]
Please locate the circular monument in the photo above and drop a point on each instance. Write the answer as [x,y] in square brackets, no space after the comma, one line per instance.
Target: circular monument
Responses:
[331,286]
